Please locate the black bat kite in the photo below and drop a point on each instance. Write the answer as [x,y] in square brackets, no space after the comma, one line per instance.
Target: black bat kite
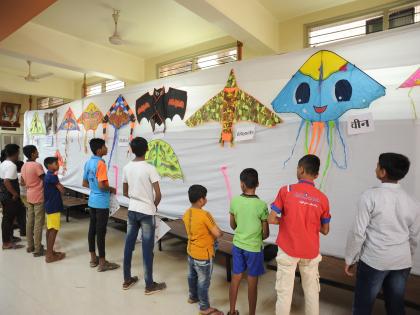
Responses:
[161,105]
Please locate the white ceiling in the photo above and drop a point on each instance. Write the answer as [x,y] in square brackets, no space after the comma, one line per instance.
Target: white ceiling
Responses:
[287,9]
[19,67]
[152,27]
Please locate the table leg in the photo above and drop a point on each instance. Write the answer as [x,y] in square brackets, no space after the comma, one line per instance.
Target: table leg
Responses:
[67,214]
[160,245]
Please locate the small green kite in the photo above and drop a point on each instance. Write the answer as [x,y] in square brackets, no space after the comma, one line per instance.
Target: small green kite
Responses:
[36,128]
[163,157]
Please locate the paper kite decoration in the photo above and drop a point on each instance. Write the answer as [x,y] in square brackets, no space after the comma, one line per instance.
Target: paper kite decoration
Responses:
[50,120]
[36,127]
[412,81]
[233,105]
[119,115]
[163,157]
[68,124]
[161,105]
[90,118]
[322,90]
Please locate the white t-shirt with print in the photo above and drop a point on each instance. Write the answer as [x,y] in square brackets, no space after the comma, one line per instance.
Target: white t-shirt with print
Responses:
[8,170]
[140,175]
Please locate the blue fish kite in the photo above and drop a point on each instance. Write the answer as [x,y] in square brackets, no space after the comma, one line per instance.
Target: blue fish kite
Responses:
[323,89]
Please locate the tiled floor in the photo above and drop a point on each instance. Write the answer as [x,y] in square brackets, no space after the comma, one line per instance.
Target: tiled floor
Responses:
[29,286]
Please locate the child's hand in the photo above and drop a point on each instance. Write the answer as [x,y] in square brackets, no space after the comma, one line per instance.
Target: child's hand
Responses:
[112,190]
[349,270]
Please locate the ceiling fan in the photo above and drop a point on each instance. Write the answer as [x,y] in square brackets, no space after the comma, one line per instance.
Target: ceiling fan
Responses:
[34,78]
[116,39]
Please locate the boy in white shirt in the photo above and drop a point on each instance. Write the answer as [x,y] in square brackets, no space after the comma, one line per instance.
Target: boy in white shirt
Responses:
[141,185]
[383,238]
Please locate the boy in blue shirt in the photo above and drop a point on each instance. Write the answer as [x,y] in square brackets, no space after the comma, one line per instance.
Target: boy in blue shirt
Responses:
[53,207]
[95,177]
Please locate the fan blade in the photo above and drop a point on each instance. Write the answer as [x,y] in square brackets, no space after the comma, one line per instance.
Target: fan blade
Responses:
[43,75]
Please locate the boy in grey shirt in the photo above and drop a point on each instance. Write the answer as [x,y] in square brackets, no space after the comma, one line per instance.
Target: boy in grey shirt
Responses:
[383,238]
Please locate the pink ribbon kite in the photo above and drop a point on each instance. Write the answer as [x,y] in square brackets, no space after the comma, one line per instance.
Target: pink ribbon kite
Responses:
[223,169]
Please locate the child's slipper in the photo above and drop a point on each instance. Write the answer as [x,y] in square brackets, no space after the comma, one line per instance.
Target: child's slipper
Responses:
[40,253]
[55,258]
[236,313]
[192,301]
[108,266]
[14,246]
[214,312]
[30,249]
[95,263]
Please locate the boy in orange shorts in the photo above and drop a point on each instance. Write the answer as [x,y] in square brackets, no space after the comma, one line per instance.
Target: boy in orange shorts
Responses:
[53,207]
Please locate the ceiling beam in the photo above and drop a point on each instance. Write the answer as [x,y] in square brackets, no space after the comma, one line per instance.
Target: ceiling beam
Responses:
[44,45]
[247,21]
[15,13]
[51,86]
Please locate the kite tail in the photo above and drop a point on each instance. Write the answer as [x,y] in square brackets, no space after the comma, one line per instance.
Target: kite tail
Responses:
[85,141]
[343,144]
[413,105]
[297,138]
[307,126]
[317,131]
[66,150]
[114,142]
[330,141]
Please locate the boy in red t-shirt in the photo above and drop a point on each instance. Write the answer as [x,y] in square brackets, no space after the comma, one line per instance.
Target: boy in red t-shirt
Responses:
[302,212]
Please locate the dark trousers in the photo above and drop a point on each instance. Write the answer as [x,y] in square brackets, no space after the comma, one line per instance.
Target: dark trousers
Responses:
[97,230]
[11,210]
[21,219]
[369,282]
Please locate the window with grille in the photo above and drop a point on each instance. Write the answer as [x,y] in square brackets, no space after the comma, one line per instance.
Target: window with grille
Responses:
[330,33]
[103,87]
[48,102]
[199,62]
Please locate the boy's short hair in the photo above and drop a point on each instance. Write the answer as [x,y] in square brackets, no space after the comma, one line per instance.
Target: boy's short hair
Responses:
[139,146]
[50,160]
[249,177]
[28,150]
[310,164]
[196,192]
[396,165]
[96,144]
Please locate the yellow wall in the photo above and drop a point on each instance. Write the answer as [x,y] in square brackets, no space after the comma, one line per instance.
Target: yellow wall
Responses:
[293,33]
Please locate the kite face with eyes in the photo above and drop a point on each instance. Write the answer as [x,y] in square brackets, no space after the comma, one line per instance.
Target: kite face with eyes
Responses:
[325,87]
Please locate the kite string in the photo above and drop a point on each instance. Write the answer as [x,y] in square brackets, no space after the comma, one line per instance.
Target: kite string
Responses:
[114,141]
[343,144]
[413,105]
[296,140]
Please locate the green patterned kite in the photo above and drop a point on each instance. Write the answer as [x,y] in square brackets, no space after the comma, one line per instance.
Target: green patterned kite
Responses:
[163,157]
[36,128]
[232,105]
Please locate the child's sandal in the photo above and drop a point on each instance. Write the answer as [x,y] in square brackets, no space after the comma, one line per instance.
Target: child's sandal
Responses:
[94,264]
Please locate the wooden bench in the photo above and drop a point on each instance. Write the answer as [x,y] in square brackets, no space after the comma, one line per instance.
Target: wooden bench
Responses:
[331,270]
[71,202]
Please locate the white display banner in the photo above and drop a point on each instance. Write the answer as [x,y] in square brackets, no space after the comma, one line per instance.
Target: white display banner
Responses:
[362,123]
[201,156]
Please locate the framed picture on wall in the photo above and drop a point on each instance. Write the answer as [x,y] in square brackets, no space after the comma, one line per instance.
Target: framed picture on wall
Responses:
[9,115]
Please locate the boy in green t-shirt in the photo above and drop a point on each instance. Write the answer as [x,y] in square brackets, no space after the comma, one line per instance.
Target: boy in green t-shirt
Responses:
[248,217]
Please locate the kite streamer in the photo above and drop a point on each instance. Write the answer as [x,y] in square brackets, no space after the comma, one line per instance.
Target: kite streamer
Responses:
[223,169]
[411,82]
[116,170]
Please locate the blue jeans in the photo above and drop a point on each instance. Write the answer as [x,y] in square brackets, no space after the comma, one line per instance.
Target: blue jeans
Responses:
[199,276]
[369,282]
[137,220]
